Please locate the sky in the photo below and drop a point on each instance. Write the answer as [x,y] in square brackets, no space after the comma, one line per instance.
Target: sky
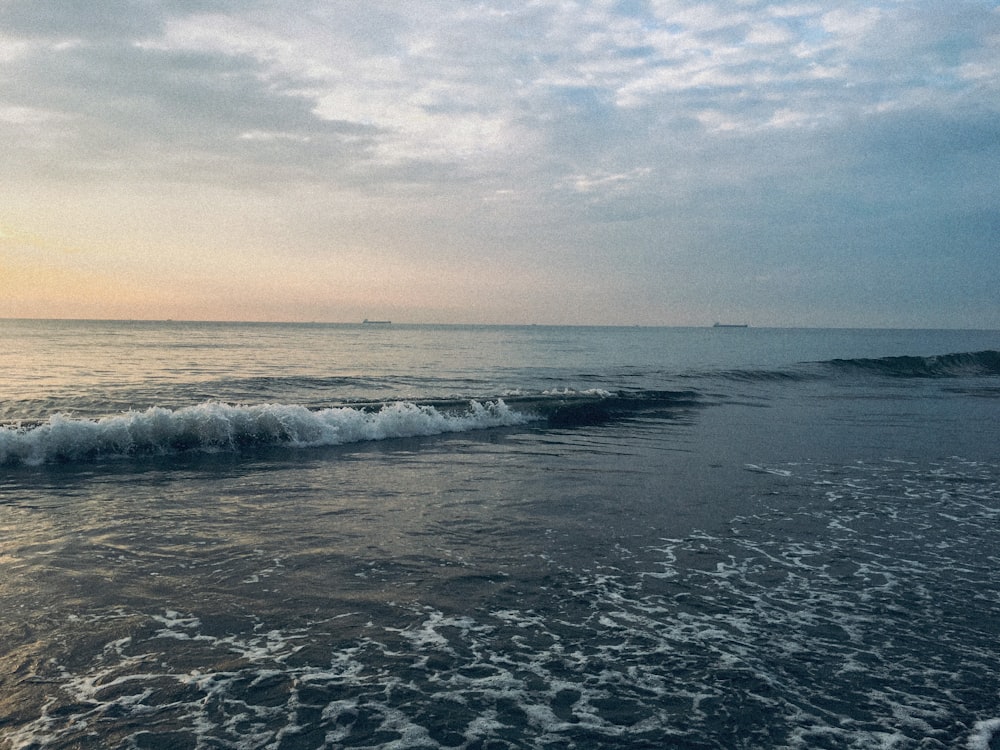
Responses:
[607,162]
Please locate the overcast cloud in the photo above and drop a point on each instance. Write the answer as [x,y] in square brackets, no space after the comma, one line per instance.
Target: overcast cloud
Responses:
[627,161]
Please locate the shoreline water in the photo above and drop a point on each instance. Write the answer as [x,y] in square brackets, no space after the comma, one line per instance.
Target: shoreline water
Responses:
[799,555]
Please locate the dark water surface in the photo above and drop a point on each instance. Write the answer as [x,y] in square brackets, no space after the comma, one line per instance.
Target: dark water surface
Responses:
[240,536]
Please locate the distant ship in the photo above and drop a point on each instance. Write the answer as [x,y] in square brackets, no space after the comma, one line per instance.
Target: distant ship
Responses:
[367,322]
[731,325]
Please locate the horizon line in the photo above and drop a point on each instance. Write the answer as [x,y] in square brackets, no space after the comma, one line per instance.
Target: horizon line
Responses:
[748,326]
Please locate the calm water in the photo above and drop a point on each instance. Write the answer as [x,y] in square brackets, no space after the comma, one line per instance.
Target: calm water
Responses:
[312,536]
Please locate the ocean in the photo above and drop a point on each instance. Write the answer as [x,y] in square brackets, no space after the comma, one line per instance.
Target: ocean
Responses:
[222,535]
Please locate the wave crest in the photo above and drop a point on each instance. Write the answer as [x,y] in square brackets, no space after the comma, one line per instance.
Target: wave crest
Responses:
[964,364]
[217,427]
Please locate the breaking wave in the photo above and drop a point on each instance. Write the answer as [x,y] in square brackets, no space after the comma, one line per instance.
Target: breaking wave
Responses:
[218,427]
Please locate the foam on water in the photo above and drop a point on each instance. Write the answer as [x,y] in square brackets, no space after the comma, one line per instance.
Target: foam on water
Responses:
[215,427]
[984,732]
[857,609]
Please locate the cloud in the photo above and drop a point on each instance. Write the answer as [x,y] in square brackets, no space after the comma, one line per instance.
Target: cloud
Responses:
[422,90]
[674,140]
[606,182]
[26,116]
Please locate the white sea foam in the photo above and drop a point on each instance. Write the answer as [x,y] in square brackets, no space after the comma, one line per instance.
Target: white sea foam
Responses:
[597,392]
[766,470]
[218,427]
[984,732]
[796,632]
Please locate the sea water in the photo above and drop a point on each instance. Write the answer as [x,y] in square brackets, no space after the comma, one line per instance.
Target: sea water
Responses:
[323,536]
